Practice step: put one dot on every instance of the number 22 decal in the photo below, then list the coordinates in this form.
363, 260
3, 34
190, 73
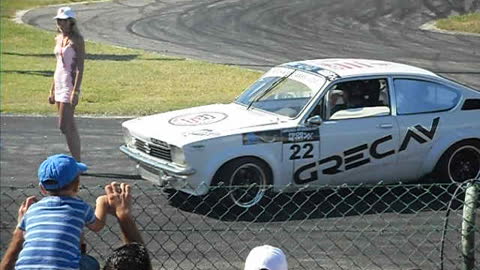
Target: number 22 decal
297, 148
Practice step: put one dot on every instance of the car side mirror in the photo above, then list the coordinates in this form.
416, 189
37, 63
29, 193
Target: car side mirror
315, 120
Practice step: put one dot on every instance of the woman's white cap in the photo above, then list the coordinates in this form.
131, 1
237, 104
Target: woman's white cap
65, 13
266, 257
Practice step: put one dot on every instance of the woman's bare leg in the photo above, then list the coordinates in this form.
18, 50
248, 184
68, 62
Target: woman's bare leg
66, 123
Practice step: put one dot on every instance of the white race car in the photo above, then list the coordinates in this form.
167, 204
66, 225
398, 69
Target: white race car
326, 121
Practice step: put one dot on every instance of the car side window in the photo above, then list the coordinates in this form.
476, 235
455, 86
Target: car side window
417, 96
356, 99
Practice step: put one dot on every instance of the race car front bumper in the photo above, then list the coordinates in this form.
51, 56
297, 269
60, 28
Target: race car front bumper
160, 172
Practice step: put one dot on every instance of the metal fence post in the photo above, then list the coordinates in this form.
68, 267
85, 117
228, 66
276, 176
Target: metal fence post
468, 227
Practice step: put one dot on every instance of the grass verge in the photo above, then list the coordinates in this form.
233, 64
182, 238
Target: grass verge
117, 81
464, 23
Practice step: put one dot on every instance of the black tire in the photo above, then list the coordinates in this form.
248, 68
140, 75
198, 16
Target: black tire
244, 182
461, 162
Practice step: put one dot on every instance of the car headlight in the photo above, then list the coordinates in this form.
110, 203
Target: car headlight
127, 137
178, 155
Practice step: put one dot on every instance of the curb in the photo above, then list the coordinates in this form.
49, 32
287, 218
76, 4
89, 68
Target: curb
430, 26
19, 14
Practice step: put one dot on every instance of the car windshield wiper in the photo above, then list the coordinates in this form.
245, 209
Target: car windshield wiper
268, 90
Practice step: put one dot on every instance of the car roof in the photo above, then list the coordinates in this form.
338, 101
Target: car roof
347, 67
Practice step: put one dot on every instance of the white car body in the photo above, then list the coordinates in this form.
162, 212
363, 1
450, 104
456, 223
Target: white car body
354, 145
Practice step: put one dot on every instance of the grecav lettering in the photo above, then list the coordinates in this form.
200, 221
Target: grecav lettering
349, 159
361, 155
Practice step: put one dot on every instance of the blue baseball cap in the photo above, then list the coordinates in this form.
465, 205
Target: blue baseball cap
58, 171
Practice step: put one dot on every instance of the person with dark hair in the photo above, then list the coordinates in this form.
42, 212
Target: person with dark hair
49, 231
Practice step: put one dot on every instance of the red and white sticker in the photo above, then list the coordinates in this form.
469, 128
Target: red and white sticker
197, 119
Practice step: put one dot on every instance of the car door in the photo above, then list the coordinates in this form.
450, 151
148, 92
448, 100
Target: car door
358, 137
421, 107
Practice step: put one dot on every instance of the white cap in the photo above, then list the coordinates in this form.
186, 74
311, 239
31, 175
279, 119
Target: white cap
65, 13
266, 257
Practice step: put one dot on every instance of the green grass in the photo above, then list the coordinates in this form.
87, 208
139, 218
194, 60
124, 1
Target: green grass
465, 23
117, 81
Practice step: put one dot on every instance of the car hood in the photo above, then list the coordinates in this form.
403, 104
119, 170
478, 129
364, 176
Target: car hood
199, 123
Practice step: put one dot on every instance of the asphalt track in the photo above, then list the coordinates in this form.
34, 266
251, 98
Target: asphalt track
262, 33
255, 34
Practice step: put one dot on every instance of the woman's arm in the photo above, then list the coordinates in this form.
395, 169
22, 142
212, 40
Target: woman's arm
51, 97
79, 46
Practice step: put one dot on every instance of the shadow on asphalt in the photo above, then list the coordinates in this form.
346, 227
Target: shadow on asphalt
326, 203
114, 176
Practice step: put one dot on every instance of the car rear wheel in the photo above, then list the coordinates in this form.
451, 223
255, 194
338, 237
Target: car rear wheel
461, 162
245, 180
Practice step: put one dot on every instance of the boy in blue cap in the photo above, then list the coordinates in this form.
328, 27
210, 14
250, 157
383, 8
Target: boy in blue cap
53, 226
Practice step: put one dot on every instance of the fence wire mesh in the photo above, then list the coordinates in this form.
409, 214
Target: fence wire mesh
345, 227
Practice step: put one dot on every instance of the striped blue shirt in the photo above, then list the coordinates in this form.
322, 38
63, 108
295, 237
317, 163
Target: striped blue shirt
53, 227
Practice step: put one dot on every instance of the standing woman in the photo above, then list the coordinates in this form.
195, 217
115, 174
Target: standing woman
65, 91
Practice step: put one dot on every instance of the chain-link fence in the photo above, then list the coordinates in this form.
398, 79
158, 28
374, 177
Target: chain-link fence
346, 227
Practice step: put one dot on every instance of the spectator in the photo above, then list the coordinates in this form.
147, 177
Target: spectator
50, 229
132, 255
266, 258
67, 80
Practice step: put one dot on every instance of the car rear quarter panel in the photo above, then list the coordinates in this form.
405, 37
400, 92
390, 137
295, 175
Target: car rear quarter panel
458, 126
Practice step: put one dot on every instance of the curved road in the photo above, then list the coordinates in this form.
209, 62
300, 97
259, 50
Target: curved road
263, 32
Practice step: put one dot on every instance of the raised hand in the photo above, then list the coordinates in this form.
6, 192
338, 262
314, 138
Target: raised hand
24, 207
119, 199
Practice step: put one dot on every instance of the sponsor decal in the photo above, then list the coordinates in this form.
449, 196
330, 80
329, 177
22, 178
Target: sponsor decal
286, 136
306, 67
296, 135
314, 69
201, 132
197, 119
343, 65
269, 136
359, 155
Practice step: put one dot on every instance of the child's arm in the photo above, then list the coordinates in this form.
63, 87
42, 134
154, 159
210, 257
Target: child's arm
100, 214
11, 255
16, 244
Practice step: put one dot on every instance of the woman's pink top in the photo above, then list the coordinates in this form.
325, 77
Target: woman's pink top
65, 71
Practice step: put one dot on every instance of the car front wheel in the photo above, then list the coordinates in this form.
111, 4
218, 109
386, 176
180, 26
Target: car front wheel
245, 181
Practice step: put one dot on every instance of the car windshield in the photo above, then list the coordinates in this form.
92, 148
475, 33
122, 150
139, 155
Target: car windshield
282, 91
